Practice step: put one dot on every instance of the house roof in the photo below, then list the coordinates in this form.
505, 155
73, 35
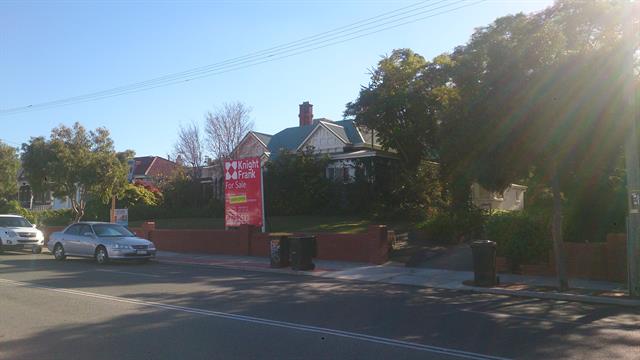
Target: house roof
292, 138
152, 166
265, 138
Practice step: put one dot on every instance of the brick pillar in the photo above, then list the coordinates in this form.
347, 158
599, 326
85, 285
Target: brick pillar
148, 227
246, 231
378, 244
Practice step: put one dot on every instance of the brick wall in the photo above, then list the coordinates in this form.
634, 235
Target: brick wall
371, 247
594, 261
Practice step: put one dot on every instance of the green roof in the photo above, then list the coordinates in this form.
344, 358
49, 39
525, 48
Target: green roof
291, 138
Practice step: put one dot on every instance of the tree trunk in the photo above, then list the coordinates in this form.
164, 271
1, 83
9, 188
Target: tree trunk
556, 234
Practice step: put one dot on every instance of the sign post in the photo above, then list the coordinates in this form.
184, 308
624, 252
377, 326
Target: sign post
243, 200
121, 216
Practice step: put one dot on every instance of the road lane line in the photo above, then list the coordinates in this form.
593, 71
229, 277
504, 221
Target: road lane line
502, 315
267, 322
127, 273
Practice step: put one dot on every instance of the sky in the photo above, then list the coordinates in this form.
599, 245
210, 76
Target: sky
51, 50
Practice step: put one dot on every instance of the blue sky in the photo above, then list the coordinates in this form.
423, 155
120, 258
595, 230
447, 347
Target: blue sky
57, 49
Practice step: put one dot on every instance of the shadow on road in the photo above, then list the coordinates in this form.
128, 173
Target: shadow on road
482, 323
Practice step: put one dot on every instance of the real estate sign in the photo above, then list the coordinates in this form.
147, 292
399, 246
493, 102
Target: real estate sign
122, 217
243, 203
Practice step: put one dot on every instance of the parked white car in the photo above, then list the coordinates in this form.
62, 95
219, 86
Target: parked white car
17, 233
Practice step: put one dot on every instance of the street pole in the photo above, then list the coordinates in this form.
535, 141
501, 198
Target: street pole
631, 156
112, 212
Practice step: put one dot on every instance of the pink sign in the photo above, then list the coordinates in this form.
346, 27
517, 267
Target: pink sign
243, 192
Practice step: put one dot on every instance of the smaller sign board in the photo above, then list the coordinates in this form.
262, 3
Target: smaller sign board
122, 217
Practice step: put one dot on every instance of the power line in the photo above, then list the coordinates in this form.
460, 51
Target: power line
336, 36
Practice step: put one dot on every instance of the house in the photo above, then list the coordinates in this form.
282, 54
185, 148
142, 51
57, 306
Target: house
511, 199
38, 201
149, 170
343, 142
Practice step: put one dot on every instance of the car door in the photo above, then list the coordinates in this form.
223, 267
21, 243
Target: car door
87, 242
70, 239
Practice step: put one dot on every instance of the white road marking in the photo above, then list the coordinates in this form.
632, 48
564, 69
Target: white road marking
266, 322
521, 317
128, 273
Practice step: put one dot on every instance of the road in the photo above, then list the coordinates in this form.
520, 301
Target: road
79, 310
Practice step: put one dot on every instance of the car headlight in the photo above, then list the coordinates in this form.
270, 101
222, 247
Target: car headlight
121, 247
152, 246
11, 233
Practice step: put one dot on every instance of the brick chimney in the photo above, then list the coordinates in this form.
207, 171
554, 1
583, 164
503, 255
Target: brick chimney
306, 114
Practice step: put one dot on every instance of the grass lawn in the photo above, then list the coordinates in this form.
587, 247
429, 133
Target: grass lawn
336, 224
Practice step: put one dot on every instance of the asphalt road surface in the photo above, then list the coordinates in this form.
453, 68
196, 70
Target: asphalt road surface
79, 310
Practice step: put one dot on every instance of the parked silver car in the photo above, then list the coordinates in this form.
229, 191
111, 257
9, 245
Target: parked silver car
101, 241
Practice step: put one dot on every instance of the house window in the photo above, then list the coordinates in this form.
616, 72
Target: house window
345, 174
518, 196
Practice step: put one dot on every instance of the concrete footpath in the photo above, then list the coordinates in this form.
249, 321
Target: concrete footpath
599, 292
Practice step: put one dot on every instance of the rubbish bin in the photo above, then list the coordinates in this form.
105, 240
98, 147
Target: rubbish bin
484, 262
279, 250
302, 249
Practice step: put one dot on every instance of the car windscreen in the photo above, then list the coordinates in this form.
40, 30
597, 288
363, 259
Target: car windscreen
111, 230
14, 222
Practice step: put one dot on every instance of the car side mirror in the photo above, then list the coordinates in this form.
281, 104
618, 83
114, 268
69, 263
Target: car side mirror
33, 226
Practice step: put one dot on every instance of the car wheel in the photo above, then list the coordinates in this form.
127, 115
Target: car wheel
102, 257
58, 252
37, 250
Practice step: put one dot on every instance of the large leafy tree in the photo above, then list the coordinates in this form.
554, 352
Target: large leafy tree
8, 170
76, 164
402, 104
541, 92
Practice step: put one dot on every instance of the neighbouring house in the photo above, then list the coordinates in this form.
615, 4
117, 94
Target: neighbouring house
38, 201
511, 199
344, 142
149, 170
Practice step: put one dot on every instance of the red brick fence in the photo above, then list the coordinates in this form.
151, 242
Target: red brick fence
372, 246
595, 261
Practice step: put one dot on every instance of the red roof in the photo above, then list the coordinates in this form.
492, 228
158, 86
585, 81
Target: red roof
153, 166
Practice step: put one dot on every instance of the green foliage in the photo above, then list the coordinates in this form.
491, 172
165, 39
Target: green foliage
520, 237
452, 228
138, 193
402, 104
75, 164
296, 184
13, 207
8, 171
61, 217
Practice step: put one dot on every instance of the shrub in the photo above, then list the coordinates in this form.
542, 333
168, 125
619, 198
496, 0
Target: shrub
520, 237
13, 207
452, 228
61, 217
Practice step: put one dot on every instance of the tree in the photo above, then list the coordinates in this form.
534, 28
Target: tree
75, 164
189, 148
296, 184
9, 165
402, 104
226, 127
540, 92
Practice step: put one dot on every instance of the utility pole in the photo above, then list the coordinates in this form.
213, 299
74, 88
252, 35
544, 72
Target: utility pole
631, 150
